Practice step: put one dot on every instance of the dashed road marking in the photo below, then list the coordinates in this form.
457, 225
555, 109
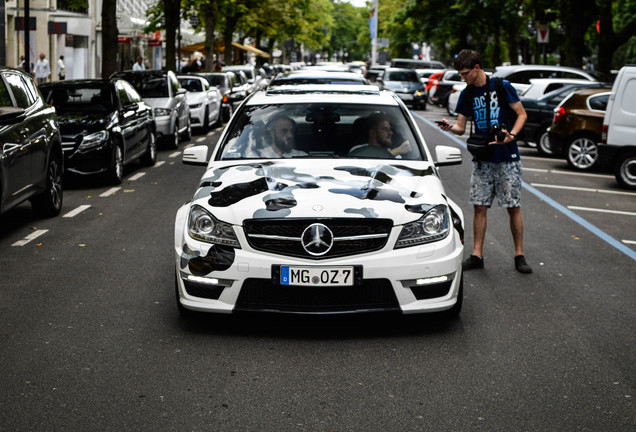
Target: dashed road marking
572, 173
77, 211
136, 176
175, 154
35, 234
158, 164
110, 192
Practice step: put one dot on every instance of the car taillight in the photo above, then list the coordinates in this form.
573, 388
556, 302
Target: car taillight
604, 134
559, 113
225, 99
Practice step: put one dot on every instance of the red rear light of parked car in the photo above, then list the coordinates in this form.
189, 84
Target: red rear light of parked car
225, 99
604, 134
559, 113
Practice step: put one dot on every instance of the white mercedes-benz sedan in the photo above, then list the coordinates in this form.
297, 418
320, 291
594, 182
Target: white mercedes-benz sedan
320, 200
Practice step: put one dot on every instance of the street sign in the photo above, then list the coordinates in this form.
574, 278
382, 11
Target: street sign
543, 35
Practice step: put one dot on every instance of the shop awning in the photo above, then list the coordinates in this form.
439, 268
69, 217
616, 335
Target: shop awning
251, 49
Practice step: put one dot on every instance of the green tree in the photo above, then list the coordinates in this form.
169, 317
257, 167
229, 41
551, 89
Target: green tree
617, 25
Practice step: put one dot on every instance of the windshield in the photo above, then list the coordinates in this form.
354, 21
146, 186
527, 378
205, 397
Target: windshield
402, 76
75, 99
191, 84
148, 85
216, 80
320, 130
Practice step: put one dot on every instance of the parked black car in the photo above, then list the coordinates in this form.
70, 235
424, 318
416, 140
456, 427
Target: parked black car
104, 125
541, 112
232, 90
31, 161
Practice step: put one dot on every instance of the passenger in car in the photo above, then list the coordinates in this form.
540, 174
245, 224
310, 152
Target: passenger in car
380, 142
279, 140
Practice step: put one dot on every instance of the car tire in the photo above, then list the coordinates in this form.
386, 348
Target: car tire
150, 157
49, 202
206, 120
543, 143
582, 152
187, 135
174, 137
625, 170
115, 173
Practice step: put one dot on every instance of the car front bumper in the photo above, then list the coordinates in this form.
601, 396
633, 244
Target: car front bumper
418, 279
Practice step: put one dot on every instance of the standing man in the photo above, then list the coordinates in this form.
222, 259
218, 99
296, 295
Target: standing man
61, 69
139, 64
42, 70
497, 173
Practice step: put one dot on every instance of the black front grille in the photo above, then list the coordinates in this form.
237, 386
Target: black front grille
265, 235
262, 295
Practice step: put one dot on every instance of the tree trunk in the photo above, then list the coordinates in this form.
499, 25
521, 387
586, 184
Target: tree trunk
172, 11
211, 13
109, 38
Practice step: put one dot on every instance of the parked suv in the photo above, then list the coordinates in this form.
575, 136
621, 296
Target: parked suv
577, 126
104, 125
161, 90
31, 159
618, 147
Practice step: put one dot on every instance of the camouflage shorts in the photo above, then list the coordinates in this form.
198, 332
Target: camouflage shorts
502, 180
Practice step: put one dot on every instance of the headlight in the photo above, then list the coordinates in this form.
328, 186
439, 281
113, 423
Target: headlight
204, 227
162, 112
94, 140
433, 226
196, 106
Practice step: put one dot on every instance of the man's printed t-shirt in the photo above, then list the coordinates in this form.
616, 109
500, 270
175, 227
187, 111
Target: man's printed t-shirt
502, 153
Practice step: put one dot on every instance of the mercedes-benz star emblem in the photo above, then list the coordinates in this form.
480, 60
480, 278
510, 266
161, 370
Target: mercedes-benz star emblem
317, 239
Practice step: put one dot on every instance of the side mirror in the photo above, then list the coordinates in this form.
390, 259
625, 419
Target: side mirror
130, 106
446, 155
197, 155
181, 91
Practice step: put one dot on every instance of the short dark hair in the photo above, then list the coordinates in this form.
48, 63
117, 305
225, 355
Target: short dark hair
467, 59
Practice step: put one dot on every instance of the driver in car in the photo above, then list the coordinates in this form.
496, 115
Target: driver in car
380, 142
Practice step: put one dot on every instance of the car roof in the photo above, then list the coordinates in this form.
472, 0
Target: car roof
318, 75
327, 93
506, 70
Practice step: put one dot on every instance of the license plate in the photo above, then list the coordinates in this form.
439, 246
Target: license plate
318, 276
407, 97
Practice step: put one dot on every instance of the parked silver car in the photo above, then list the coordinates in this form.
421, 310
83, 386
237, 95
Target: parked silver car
161, 90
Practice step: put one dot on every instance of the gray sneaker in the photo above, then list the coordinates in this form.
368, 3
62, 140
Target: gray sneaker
521, 265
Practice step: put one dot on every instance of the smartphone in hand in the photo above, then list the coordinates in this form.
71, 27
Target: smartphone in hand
442, 123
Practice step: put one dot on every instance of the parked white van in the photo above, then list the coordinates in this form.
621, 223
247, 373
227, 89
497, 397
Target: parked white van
617, 149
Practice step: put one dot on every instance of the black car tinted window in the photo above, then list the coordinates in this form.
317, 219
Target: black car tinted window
18, 88
191, 84
148, 85
402, 76
5, 97
79, 99
217, 80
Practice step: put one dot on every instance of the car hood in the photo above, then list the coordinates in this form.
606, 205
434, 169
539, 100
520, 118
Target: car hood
402, 86
161, 102
76, 123
310, 188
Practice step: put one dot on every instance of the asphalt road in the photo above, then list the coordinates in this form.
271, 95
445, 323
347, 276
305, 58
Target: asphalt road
91, 338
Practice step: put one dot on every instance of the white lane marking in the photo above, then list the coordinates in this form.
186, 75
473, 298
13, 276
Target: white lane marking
110, 192
77, 211
35, 234
159, 163
175, 154
539, 158
201, 139
137, 176
572, 173
189, 145
580, 189
629, 242
618, 212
